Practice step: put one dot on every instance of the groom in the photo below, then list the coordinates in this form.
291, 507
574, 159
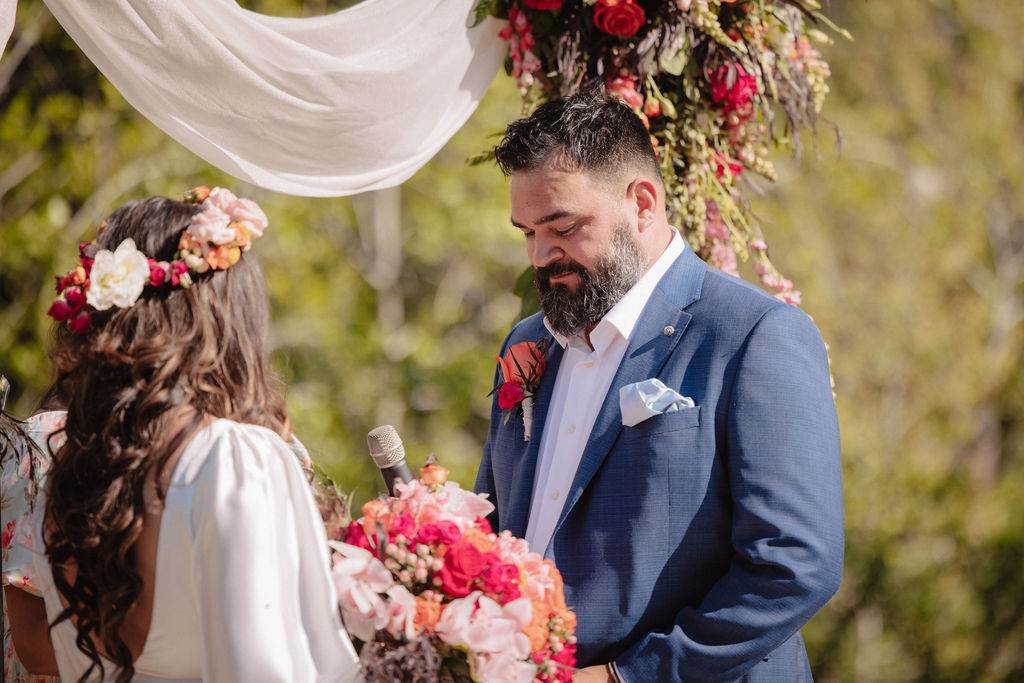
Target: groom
694, 543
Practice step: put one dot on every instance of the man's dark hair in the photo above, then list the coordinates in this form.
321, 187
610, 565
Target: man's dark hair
589, 131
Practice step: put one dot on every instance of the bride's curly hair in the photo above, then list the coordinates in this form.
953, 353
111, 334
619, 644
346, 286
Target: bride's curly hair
125, 380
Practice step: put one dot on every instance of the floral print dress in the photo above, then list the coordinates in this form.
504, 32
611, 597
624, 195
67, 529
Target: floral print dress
24, 468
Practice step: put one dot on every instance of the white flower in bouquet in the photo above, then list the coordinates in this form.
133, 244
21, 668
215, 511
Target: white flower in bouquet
360, 579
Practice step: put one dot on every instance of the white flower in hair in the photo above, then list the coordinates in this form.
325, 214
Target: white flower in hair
117, 277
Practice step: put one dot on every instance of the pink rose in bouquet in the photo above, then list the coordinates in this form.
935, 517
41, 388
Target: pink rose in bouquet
423, 582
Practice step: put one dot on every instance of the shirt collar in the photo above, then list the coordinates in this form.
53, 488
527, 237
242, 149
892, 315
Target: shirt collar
623, 316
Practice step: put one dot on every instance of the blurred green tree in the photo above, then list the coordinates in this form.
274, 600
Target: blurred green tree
911, 250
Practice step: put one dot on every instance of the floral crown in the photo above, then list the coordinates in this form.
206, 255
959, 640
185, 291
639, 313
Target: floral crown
214, 240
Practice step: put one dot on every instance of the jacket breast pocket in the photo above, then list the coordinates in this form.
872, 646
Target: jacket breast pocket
685, 418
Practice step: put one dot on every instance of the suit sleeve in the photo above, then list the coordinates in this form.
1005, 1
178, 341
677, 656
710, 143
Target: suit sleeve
781, 452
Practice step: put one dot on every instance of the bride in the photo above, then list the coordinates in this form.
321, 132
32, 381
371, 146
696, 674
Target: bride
182, 540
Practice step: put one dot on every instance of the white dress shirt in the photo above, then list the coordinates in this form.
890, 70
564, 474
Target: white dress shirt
584, 376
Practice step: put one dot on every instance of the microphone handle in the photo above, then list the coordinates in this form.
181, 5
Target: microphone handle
397, 472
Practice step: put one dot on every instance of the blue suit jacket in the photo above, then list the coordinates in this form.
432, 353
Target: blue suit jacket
695, 544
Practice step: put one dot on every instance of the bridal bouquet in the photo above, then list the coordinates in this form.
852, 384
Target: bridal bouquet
709, 78
435, 595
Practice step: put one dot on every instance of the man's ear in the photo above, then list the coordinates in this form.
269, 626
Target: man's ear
644, 193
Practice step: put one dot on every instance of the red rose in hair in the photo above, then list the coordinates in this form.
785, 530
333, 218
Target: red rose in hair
543, 4
75, 297
80, 323
618, 17
60, 310
157, 272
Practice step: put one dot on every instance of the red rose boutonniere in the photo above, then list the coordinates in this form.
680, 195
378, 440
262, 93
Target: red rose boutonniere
522, 369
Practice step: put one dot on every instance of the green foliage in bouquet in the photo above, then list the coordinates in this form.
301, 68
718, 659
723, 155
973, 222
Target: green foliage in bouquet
719, 83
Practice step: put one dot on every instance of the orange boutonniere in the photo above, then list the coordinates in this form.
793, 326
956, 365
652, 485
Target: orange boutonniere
521, 369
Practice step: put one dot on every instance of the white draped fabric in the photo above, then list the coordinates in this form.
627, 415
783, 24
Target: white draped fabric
7, 8
320, 106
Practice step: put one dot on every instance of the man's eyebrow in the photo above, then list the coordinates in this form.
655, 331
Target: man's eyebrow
550, 218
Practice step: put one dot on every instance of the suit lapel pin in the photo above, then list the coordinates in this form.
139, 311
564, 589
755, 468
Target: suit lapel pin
669, 331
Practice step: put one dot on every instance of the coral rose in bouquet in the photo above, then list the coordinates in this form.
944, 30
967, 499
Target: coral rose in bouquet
433, 594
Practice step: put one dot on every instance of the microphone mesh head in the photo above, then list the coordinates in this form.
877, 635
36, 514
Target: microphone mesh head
385, 447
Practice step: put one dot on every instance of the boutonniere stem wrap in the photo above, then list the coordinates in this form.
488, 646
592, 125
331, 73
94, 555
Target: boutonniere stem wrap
521, 369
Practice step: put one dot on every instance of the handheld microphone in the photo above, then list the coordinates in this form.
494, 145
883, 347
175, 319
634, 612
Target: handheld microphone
388, 454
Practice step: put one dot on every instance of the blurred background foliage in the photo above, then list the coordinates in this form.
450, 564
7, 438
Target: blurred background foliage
389, 307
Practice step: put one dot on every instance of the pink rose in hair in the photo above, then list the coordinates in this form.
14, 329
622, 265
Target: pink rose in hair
212, 226
157, 272
221, 199
249, 214
178, 270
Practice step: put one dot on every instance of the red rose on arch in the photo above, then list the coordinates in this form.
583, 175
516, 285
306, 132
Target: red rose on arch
733, 87
543, 4
618, 17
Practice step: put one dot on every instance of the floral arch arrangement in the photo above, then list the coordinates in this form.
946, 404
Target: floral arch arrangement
719, 83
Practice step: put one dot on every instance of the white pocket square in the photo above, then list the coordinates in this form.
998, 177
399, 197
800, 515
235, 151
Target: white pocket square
642, 400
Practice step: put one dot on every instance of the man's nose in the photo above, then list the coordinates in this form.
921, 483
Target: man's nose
544, 251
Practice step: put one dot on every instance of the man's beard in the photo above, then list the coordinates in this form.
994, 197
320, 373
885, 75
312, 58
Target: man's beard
614, 275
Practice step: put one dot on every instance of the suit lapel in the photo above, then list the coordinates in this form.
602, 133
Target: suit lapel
523, 473
649, 349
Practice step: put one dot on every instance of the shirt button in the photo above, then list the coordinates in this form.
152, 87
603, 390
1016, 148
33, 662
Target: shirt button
589, 364
571, 429
554, 495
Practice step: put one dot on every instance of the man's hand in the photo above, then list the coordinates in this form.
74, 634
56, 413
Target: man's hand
592, 674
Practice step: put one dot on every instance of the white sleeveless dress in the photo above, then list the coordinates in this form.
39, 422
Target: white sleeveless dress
243, 591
